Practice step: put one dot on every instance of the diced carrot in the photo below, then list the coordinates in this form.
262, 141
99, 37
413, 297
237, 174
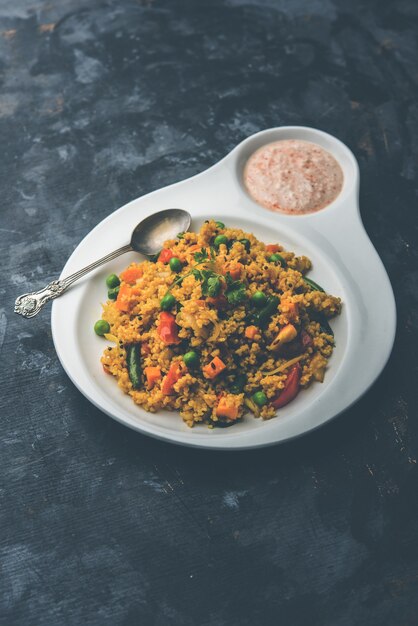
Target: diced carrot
176, 371
226, 408
153, 374
236, 272
273, 247
168, 329
122, 302
290, 309
215, 367
132, 273
165, 255
251, 331
234, 269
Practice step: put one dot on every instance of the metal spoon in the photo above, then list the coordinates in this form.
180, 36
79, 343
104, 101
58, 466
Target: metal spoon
147, 238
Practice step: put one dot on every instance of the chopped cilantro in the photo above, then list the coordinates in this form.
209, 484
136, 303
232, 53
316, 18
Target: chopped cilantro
214, 286
235, 292
212, 281
197, 274
201, 256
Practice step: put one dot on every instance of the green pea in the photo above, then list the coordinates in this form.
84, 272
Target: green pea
167, 302
259, 299
260, 398
191, 359
219, 240
277, 258
262, 317
220, 224
112, 281
112, 294
175, 264
246, 243
101, 327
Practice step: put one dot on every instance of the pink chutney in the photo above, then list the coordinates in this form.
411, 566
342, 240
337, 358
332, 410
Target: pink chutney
293, 176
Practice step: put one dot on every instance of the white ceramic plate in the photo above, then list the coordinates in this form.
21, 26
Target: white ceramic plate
344, 262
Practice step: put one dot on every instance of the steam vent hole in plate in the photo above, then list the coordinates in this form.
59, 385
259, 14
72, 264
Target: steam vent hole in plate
293, 176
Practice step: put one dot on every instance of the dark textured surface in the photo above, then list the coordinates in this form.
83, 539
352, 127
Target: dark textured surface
102, 102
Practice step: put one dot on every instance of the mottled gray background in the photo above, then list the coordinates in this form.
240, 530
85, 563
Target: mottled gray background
101, 102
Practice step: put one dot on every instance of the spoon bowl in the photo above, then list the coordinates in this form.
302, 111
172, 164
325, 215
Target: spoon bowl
147, 238
149, 235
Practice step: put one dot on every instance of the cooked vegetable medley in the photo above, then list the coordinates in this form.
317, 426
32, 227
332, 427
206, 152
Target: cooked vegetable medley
217, 326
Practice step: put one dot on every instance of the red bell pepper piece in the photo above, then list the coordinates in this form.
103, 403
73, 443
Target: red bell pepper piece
273, 247
168, 329
176, 371
291, 387
165, 255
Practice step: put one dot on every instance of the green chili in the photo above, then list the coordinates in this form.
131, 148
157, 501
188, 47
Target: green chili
313, 285
133, 359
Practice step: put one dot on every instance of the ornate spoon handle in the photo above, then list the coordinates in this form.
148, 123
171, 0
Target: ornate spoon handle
29, 304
